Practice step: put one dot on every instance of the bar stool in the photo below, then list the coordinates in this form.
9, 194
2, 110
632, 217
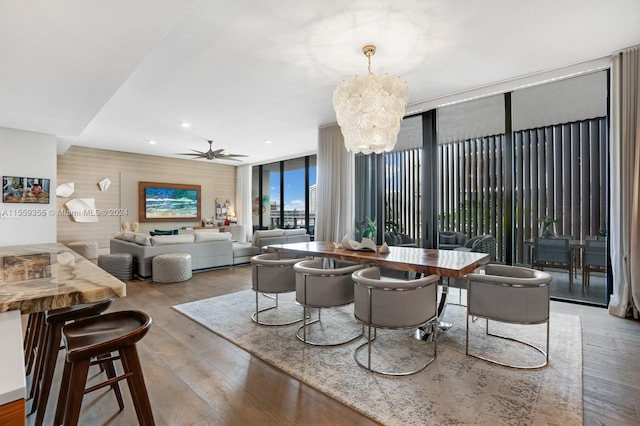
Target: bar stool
93, 337
54, 320
35, 324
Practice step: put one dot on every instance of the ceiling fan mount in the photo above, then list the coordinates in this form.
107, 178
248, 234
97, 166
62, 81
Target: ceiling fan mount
214, 155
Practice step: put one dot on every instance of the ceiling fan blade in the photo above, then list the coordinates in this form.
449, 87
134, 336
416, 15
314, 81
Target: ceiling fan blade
229, 158
217, 152
195, 155
232, 155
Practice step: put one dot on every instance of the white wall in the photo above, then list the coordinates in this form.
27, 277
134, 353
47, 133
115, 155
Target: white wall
28, 154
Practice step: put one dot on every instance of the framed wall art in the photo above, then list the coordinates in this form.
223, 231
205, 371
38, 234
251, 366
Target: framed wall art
25, 190
166, 202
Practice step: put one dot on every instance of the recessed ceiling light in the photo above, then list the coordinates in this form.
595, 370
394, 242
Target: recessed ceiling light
152, 142
267, 141
185, 125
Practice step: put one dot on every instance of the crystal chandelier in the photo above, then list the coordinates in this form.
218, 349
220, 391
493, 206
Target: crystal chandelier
369, 110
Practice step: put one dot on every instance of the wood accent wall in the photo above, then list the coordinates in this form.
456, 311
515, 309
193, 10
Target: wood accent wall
87, 166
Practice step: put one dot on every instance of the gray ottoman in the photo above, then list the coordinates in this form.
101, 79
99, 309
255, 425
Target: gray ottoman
171, 267
120, 265
86, 249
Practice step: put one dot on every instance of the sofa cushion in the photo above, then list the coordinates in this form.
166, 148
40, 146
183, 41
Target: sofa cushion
160, 240
244, 249
297, 231
212, 236
268, 233
448, 239
142, 239
238, 233
129, 236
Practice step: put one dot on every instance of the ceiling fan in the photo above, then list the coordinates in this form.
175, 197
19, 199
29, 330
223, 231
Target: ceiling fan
214, 155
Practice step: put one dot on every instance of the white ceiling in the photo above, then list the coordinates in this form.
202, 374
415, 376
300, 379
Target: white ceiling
116, 74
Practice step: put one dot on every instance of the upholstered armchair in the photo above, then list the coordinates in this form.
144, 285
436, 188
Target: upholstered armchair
273, 275
393, 304
318, 286
509, 294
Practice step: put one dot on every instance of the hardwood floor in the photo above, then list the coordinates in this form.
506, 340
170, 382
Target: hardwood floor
195, 377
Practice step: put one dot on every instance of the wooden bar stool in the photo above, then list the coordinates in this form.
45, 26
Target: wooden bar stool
35, 324
93, 337
54, 320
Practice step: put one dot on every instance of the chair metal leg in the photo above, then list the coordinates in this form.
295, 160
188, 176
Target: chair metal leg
255, 317
305, 325
368, 366
544, 352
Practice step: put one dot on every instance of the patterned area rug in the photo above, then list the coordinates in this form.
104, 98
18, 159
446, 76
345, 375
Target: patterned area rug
454, 390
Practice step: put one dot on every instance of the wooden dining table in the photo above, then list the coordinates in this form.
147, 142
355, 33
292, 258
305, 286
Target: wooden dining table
446, 263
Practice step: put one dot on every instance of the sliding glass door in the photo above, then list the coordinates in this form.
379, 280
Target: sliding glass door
510, 167
284, 194
561, 154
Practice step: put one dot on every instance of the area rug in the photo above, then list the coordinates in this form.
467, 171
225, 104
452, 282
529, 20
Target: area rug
456, 389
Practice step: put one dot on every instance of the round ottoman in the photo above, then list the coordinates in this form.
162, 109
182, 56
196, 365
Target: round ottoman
86, 249
171, 267
120, 265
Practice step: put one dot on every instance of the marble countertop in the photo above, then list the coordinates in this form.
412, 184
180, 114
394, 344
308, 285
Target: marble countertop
40, 277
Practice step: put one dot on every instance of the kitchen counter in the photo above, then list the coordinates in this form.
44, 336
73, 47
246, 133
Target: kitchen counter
39, 277
35, 278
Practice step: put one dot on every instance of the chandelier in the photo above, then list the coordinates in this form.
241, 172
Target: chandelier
369, 110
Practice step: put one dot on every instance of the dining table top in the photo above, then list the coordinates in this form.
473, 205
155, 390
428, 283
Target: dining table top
39, 277
447, 263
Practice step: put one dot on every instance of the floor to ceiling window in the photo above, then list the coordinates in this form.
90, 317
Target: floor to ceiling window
283, 194
560, 142
511, 166
471, 190
388, 186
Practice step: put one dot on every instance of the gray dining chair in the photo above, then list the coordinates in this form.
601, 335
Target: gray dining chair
272, 275
594, 260
393, 304
320, 286
554, 253
509, 294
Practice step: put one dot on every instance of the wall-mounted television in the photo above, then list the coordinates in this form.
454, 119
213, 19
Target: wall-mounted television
168, 202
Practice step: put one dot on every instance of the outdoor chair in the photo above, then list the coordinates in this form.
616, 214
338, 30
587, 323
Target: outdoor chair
554, 253
484, 243
595, 259
509, 294
448, 240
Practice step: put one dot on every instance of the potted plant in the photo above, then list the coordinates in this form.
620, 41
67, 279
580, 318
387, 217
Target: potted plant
370, 229
548, 227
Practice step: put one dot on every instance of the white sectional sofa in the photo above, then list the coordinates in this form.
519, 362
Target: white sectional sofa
208, 248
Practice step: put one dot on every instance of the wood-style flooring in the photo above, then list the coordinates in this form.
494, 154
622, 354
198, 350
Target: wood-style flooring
195, 377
